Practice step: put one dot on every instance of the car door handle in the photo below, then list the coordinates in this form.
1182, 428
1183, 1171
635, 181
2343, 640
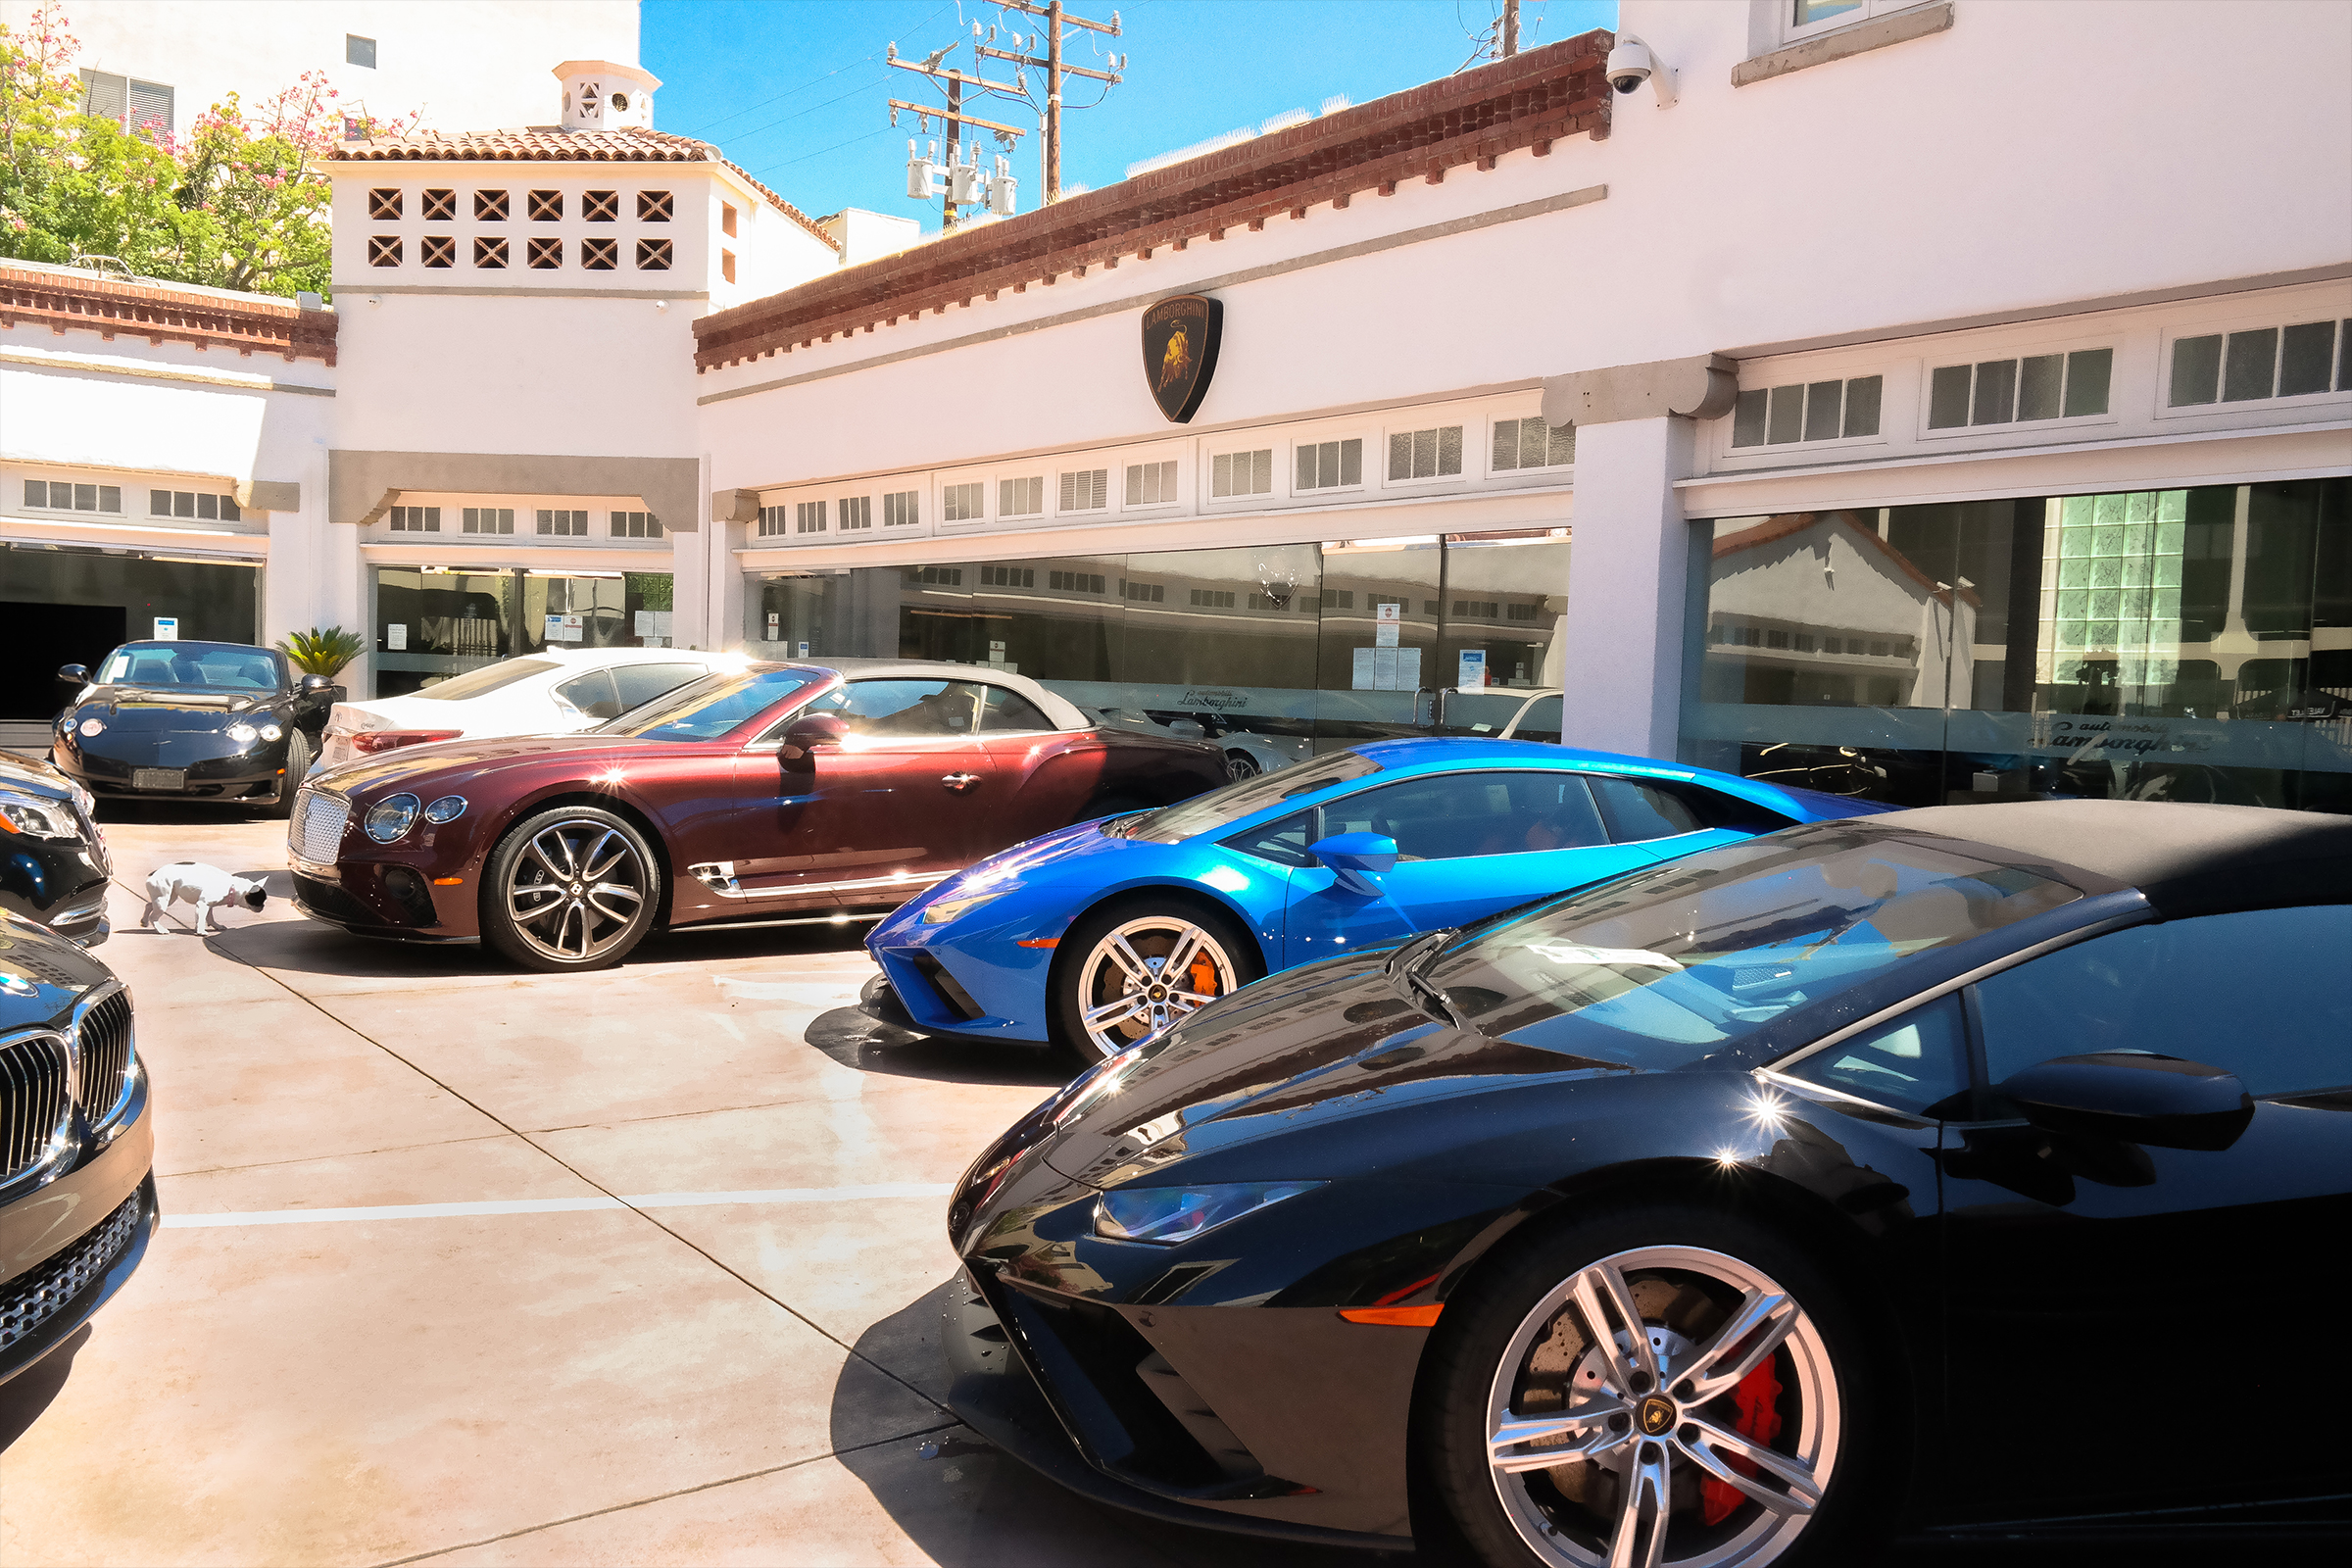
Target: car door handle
959, 782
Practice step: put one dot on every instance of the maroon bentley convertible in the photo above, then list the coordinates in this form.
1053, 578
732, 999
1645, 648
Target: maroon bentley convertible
782, 793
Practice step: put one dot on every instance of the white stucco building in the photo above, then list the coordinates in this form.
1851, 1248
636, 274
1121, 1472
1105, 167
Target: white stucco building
1844, 419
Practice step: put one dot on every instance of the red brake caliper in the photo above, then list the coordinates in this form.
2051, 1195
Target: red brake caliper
1758, 1397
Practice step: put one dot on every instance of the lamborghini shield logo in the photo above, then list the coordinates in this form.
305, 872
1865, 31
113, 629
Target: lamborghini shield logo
1180, 352
1656, 1415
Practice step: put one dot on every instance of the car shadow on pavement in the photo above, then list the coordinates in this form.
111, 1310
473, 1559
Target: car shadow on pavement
965, 1504
23, 1398
113, 809
854, 1039
310, 946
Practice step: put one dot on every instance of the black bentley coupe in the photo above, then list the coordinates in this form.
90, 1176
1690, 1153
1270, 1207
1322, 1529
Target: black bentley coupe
1962, 1173
76, 1145
223, 722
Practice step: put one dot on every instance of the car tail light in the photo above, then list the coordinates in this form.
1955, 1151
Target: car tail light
386, 740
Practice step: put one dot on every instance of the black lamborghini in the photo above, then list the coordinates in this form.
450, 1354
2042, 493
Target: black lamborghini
1966, 1173
223, 722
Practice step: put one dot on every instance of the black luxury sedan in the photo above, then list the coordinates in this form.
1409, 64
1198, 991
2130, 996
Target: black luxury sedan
193, 721
52, 864
76, 1146
1910, 1173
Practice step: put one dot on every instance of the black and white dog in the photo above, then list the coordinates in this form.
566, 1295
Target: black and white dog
207, 887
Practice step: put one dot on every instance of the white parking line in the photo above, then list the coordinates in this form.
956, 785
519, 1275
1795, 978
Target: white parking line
559, 1205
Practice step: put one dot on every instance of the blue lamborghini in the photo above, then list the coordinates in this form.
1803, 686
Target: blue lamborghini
1103, 935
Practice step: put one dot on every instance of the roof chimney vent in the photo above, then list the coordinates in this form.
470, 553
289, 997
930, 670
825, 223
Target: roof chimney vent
599, 95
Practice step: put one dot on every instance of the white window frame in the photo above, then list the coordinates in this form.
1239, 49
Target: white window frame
1473, 463
946, 481
1485, 449
1794, 31
1373, 462
2246, 321
1255, 498
1929, 363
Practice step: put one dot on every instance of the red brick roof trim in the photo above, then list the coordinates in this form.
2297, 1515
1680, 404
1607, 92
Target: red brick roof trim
162, 313
1528, 101
534, 144
1774, 529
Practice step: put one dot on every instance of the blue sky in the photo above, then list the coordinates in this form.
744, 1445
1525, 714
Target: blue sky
794, 89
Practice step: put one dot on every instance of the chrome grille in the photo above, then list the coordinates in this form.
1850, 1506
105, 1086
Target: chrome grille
40, 1295
36, 1103
102, 1031
315, 832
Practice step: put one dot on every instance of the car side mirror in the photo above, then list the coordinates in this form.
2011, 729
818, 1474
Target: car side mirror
312, 685
1356, 859
77, 674
806, 734
2140, 1099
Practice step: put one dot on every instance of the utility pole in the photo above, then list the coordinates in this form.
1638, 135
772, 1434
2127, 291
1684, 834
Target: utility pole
955, 119
1510, 27
1056, 71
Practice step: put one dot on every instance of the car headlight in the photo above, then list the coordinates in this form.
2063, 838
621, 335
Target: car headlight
93, 726
243, 733
448, 809
273, 732
37, 818
940, 911
1166, 1215
390, 817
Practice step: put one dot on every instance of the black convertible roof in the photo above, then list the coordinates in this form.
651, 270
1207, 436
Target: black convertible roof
2187, 860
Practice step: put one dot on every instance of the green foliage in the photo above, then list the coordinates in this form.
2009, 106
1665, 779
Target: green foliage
238, 203
320, 652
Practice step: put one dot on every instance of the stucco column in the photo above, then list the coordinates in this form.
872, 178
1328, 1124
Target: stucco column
1629, 564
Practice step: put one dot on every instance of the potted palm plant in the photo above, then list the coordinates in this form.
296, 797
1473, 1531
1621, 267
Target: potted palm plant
323, 652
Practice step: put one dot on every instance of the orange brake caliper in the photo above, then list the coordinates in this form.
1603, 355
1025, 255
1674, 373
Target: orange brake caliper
1203, 975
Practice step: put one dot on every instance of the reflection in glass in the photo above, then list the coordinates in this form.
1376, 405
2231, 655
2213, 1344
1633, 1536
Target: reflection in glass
2188, 644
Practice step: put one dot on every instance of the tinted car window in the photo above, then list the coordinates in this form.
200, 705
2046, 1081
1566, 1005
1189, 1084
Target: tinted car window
489, 678
2262, 993
709, 708
642, 683
592, 694
1003, 709
1639, 811
1912, 1063
1659, 968
1283, 841
1541, 721
908, 706
1205, 814
1452, 817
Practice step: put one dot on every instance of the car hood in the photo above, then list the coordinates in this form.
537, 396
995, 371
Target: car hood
163, 708
29, 777
471, 758
1320, 1042
41, 973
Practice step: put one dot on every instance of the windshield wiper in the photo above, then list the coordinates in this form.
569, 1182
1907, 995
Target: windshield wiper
1404, 972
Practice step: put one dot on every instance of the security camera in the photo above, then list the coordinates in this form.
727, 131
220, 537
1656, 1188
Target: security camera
1630, 63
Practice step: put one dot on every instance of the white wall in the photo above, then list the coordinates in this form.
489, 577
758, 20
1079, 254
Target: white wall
468, 65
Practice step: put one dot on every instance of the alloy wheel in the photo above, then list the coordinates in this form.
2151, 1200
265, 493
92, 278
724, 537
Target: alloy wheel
1144, 976
1240, 765
1663, 1405
576, 889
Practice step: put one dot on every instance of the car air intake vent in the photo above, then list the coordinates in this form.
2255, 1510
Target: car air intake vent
103, 1033
36, 1108
34, 1298
317, 830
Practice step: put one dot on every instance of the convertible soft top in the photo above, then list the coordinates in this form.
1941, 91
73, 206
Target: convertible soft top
2187, 860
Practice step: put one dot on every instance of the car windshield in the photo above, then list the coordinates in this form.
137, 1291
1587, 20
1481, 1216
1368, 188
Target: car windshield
708, 708
1205, 814
1660, 968
202, 666
487, 679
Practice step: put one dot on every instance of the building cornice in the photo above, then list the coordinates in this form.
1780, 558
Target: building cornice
1526, 102
70, 302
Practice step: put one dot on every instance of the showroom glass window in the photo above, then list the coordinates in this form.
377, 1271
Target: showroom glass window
75, 605
2186, 645
433, 623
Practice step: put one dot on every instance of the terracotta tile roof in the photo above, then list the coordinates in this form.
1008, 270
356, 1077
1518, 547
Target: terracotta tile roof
1528, 101
551, 144
69, 299
1774, 529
